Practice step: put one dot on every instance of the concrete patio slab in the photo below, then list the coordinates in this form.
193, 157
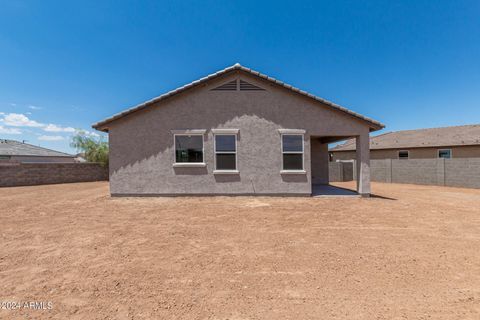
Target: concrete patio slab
326, 190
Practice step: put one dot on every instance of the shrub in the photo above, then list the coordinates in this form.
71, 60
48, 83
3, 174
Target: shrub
94, 148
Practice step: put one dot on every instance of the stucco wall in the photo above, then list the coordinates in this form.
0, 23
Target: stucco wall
414, 153
319, 157
142, 152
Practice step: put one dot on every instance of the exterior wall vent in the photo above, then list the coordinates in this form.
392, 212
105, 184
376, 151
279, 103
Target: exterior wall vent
245, 86
235, 85
229, 86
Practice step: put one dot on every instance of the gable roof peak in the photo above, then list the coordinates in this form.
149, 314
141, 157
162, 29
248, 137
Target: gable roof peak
101, 125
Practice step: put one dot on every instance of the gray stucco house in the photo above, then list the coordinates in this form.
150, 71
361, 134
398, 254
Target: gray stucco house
233, 132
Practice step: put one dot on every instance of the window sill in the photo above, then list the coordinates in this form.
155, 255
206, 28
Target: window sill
189, 164
293, 172
226, 172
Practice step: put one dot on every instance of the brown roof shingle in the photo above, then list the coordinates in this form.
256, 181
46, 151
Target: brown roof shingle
432, 137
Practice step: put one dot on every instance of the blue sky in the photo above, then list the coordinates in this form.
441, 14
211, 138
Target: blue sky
66, 64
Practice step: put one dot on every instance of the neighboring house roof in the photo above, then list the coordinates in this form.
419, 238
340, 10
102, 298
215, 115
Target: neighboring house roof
17, 148
374, 125
421, 138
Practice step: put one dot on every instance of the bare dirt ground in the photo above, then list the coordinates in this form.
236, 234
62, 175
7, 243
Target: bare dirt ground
413, 252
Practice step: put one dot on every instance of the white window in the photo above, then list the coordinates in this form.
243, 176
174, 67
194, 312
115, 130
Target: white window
403, 154
445, 153
292, 151
189, 150
225, 146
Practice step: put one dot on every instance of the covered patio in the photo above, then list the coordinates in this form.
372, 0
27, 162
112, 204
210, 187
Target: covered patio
320, 166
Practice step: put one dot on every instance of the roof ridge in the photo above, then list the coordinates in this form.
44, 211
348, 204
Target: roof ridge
433, 128
237, 66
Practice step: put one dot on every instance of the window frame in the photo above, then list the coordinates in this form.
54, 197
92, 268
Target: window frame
188, 133
408, 154
447, 149
292, 132
225, 132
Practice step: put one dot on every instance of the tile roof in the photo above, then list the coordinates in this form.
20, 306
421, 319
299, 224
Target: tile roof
375, 125
17, 148
432, 137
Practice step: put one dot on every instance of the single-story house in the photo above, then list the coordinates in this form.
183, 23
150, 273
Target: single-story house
445, 142
21, 152
234, 132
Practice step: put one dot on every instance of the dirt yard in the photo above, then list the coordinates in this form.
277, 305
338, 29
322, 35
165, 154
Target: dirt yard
411, 252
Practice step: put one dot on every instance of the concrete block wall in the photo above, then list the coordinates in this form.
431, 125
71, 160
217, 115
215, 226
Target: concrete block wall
335, 173
348, 172
462, 172
27, 174
342, 171
380, 170
415, 171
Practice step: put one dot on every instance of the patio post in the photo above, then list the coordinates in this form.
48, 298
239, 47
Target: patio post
363, 164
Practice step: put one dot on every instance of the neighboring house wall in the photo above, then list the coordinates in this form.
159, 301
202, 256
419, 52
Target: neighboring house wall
466, 152
414, 153
142, 151
27, 174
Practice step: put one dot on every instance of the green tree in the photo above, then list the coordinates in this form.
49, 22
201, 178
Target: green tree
94, 148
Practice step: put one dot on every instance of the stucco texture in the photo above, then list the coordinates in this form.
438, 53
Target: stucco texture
142, 144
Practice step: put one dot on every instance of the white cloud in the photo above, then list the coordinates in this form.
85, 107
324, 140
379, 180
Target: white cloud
93, 134
4, 130
54, 128
51, 138
34, 107
20, 120
13, 104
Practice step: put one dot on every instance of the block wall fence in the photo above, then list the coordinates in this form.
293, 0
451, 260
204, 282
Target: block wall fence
28, 174
464, 172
